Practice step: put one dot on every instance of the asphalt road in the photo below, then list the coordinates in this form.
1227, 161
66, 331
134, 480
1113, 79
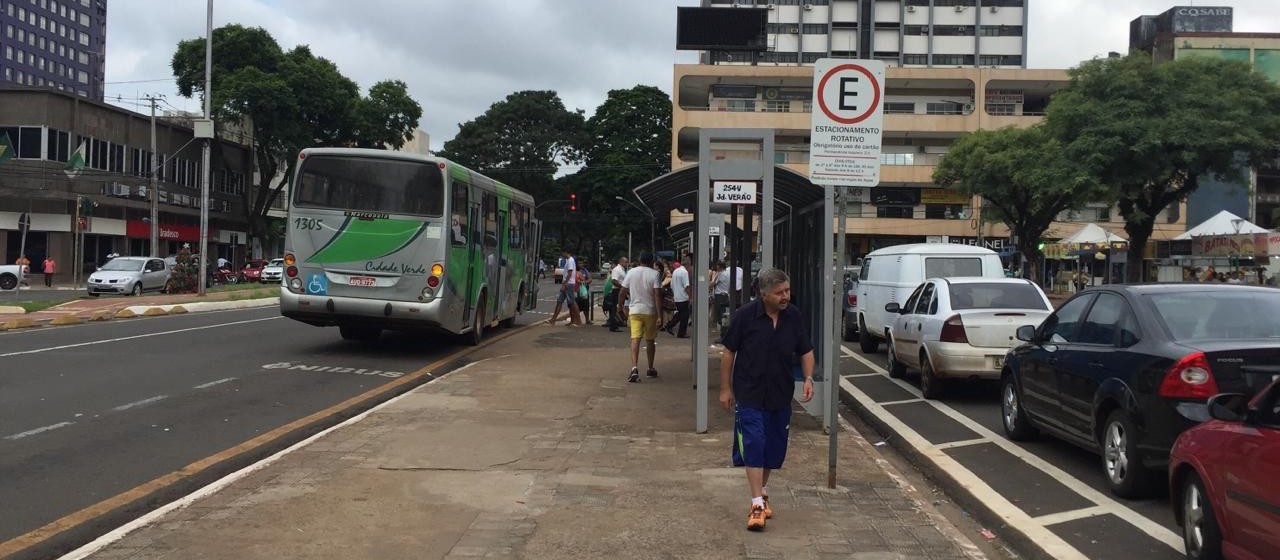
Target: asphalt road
91, 411
1056, 490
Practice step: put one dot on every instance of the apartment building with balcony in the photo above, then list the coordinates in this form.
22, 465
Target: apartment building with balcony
926, 110
59, 44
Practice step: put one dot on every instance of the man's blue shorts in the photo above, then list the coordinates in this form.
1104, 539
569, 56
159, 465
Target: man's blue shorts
760, 437
566, 296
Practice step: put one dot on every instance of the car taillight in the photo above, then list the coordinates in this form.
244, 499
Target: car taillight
1190, 378
953, 331
851, 300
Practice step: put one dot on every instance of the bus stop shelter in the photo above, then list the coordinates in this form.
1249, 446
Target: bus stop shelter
778, 229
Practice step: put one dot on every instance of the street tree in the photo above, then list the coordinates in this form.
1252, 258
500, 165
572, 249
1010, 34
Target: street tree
630, 144
1154, 131
289, 101
523, 141
1024, 179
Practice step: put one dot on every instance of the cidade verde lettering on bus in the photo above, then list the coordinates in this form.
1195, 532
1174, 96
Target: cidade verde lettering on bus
368, 240
397, 268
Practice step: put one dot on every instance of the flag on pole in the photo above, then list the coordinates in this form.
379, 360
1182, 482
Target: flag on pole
6, 147
75, 163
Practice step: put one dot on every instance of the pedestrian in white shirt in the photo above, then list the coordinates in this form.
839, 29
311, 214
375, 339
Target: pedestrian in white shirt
681, 292
641, 290
616, 276
568, 292
720, 293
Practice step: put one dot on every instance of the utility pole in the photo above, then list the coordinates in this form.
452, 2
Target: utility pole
155, 185
204, 172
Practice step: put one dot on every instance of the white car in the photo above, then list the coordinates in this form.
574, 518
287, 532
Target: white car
273, 272
958, 328
129, 275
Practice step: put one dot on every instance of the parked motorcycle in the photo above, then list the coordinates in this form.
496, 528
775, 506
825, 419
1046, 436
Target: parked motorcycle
226, 276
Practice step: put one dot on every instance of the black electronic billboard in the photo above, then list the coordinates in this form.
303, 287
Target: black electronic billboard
721, 29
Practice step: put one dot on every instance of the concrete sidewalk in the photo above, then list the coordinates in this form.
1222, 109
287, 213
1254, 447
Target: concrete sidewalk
537, 449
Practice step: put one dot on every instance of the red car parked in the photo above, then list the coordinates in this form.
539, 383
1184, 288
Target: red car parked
252, 271
1224, 479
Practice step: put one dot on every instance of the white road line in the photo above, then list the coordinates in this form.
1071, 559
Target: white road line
38, 430
907, 401
872, 374
963, 443
1011, 514
66, 346
1146, 525
212, 383
1065, 516
139, 403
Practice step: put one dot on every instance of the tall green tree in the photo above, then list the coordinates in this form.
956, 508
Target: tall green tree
1152, 131
290, 100
523, 141
630, 145
1024, 178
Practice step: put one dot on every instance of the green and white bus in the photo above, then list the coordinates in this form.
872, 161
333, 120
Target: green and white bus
387, 240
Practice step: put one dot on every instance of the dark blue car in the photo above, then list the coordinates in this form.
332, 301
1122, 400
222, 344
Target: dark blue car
1123, 370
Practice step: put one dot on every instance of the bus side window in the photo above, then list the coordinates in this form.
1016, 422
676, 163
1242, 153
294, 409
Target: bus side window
517, 219
458, 221
490, 221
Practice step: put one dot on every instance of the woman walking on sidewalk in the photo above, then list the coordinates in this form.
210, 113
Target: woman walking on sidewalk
50, 266
763, 340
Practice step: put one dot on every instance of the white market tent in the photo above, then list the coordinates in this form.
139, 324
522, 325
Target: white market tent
1093, 233
1222, 223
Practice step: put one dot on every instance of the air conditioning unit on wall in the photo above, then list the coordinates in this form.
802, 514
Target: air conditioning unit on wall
792, 29
808, 6
995, 9
911, 9
959, 9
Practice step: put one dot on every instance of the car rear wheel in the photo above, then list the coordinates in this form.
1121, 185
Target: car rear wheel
896, 368
1201, 535
1016, 425
848, 332
866, 342
930, 384
8, 281
137, 289
1126, 476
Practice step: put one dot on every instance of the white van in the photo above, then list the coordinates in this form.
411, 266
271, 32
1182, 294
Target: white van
890, 274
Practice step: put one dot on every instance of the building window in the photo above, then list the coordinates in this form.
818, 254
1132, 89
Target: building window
945, 108
953, 59
920, 59
1000, 31
907, 212
954, 30
944, 212
899, 107
777, 106
26, 140
897, 159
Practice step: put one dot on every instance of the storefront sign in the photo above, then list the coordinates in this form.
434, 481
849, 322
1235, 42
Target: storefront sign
1243, 245
1004, 96
142, 230
993, 243
895, 196
943, 196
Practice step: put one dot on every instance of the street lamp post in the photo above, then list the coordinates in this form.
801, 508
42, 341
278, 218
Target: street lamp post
653, 246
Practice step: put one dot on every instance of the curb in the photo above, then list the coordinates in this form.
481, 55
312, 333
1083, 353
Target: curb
198, 306
962, 495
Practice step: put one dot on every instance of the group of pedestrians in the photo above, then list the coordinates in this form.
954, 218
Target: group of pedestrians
49, 267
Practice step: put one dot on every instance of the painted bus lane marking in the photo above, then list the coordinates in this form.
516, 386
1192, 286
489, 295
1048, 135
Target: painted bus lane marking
290, 366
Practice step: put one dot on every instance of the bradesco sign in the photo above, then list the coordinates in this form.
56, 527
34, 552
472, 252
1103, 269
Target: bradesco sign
848, 101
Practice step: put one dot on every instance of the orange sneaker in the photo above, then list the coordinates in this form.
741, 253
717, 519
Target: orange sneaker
755, 519
768, 511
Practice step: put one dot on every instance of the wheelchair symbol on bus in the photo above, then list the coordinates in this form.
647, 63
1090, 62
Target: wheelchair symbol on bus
317, 284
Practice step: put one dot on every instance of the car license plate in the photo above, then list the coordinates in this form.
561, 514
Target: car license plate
998, 361
366, 281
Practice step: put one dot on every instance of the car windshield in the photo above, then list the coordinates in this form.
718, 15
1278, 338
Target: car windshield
276, 262
996, 295
1223, 314
123, 265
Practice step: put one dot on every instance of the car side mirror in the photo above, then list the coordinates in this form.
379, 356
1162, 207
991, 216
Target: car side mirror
1229, 407
1025, 333
892, 308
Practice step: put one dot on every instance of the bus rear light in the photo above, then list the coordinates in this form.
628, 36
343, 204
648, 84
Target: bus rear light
433, 282
295, 284
437, 269
291, 271
289, 259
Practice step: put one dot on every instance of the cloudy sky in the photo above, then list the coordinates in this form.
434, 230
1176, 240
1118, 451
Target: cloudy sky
460, 56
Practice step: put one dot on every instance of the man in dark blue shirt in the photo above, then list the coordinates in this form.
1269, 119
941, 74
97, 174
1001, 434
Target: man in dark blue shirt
761, 345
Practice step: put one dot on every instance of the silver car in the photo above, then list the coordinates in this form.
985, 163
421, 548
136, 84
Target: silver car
129, 275
273, 272
961, 328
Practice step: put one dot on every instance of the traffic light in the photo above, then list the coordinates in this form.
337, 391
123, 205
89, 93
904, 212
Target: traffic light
573, 202
86, 206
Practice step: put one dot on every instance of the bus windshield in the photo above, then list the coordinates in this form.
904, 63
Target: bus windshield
370, 185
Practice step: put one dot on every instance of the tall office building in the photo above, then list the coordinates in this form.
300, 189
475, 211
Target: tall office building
909, 33
55, 43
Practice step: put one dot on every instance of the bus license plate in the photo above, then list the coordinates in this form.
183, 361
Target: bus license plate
366, 281
998, 361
